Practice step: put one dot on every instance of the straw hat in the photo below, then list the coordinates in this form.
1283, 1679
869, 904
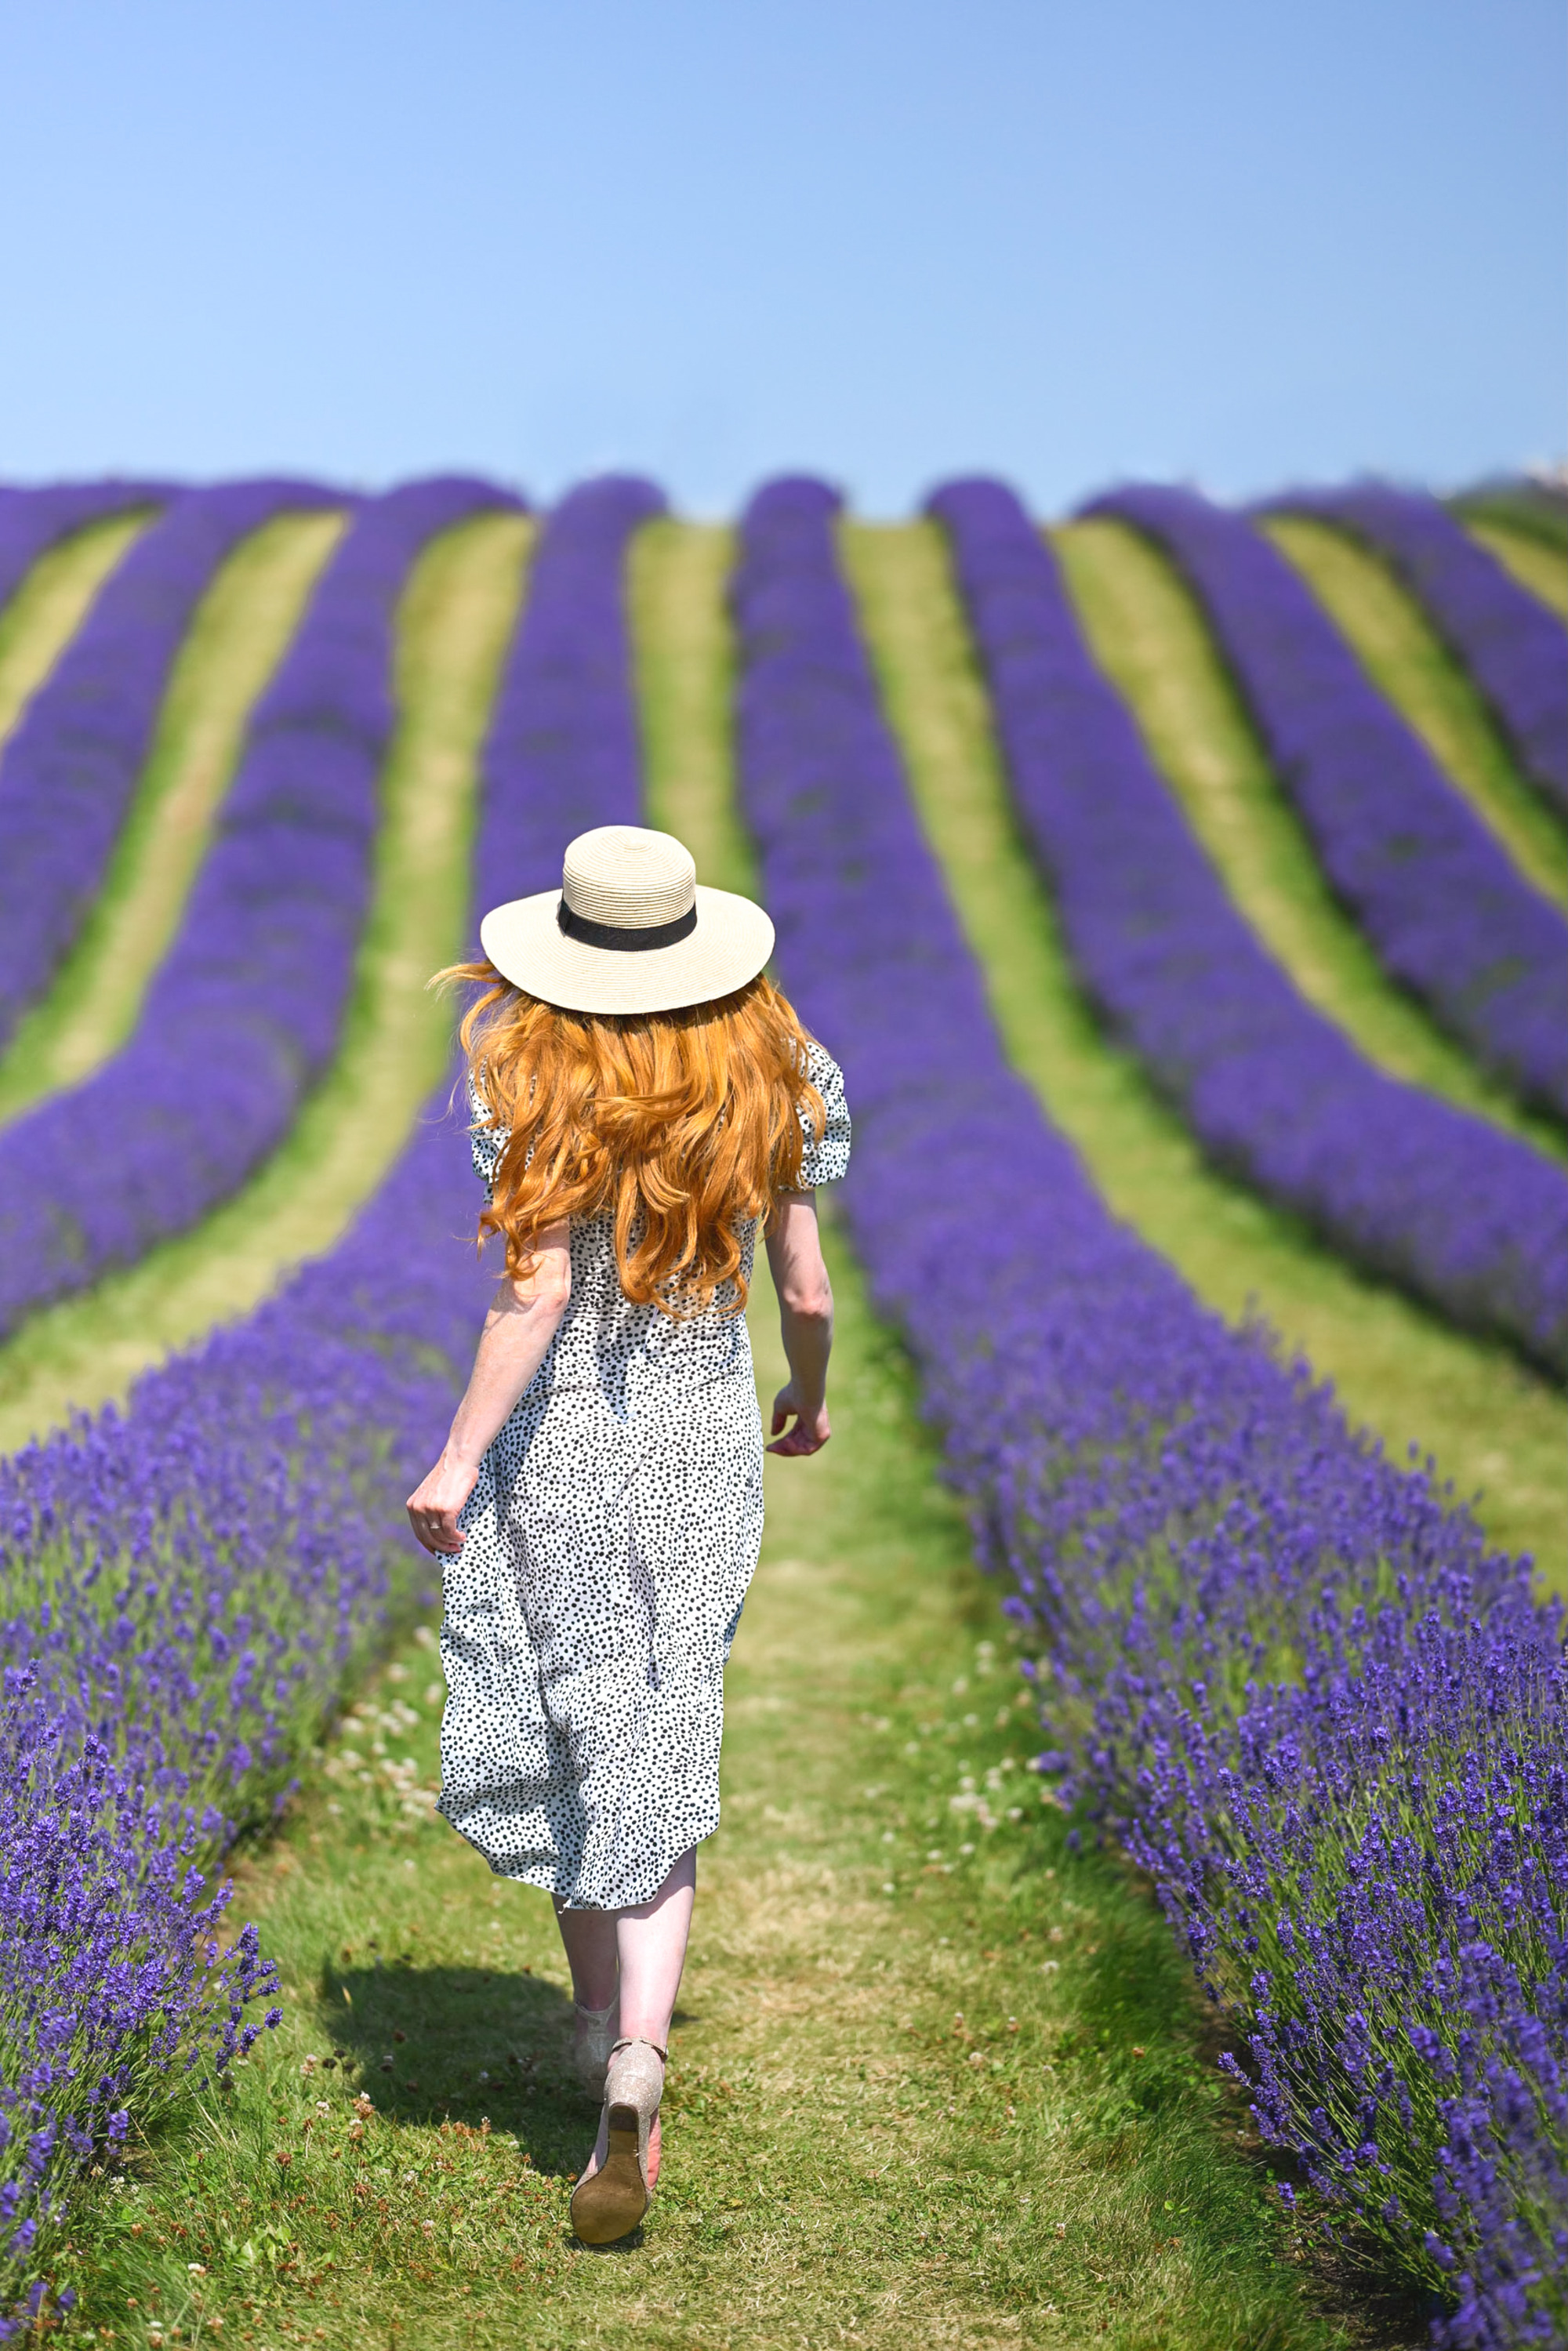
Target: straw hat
630, 930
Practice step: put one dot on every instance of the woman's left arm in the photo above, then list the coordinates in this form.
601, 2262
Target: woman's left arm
523, 1318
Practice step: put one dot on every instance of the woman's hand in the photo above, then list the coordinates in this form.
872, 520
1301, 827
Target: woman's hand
811, 1431
432, 1507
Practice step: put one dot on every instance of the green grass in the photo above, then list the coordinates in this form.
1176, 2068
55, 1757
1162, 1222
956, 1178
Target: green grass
936, 2079
931, 2083
1407, 662
51, 606
1540, 567
1491, 1425
1148, 635
454, 622
236, 639
678, 577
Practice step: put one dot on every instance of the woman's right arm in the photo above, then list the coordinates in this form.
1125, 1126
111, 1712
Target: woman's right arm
806, 1319
523, 1319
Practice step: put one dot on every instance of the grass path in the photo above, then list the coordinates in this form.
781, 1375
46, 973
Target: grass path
936, 2079
1490, 1423
931, 2083
1542, 570
237, 636
1148, 635
51, 604
453, 625
1408, 663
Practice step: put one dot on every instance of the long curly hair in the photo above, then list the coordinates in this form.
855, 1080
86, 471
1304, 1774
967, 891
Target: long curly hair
682, 1125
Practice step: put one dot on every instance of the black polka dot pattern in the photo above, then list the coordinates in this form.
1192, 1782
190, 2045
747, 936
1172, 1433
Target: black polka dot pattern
610, 1542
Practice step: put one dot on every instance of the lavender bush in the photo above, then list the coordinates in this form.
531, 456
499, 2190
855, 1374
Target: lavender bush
562, 753
1439, 900
186, 1586
69, 769
1458, 1211
1289, 1676
1515, 649
32, 521
246, 1010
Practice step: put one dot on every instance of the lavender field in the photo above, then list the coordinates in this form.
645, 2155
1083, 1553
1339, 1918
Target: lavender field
1237, 1327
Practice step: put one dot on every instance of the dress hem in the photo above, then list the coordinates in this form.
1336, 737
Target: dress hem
547, 1878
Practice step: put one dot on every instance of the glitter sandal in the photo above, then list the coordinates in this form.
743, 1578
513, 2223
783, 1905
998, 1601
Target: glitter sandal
611, 2202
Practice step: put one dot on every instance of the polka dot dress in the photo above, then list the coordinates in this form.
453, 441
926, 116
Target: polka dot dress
610, 1542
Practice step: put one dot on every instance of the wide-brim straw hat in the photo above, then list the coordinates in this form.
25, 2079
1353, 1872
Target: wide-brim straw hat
630, 929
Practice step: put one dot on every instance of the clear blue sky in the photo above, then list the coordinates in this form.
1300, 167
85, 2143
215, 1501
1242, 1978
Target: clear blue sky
1233, 240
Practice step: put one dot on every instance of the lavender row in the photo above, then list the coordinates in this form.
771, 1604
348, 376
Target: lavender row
68, 771
1444, 908
32, 521
246, 1011
563, 752
1458, 1212
188, 1584
1515, 650
1291, 1679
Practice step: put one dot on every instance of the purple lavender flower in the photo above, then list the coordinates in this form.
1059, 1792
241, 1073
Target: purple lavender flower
1443, 906
186, 1586
32, 521
1468, 1217
68, 770
1290, 1677
244, 1012
1516, 650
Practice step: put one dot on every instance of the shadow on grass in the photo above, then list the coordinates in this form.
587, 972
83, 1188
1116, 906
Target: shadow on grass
476, 2049
474, 2046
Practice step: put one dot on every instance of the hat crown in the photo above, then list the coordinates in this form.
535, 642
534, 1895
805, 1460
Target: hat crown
628, 877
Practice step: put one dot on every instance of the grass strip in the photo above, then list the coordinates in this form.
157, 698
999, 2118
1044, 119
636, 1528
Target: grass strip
679, 574
932, 2081
1407, 661
1492, 1427
51, 604
238, 635
1148, 635
1540, 568
454, 622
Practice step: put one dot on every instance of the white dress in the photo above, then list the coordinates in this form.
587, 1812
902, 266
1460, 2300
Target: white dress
610, 1542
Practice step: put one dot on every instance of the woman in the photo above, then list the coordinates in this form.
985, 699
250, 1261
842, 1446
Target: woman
643, 1102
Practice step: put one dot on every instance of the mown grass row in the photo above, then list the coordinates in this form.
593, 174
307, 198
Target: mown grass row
1407, 662
1148, 635
1538, 563
1491, 1425
455, 620
238, 635
54, 600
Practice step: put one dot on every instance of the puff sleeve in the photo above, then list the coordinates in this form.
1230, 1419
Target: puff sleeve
487, 1141
826, 1159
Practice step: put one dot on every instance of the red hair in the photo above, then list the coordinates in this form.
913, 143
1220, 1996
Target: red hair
681, 1126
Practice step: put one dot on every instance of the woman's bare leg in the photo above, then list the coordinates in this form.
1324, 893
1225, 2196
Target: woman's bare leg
589, 1939
651, 1941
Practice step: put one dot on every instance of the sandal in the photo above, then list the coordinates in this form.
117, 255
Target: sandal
611, 2202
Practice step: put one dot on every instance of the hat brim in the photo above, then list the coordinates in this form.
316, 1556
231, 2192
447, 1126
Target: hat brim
732, 940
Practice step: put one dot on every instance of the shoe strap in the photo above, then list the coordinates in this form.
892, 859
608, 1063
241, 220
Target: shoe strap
598, 2015
661, 2055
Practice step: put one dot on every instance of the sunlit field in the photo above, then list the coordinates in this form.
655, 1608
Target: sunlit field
1140, 1910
